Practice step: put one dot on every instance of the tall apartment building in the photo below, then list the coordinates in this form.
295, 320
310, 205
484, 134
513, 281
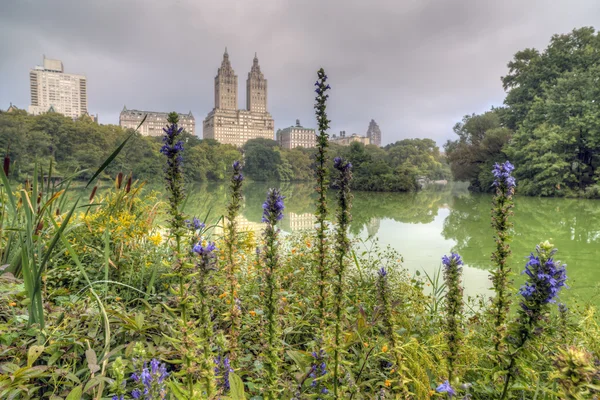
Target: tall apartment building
296, 136
374, 133
155, 121
226, 123
52, 88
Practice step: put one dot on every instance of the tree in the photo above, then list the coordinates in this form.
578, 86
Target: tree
480, 143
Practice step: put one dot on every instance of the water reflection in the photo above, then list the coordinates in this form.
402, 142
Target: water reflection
423, 226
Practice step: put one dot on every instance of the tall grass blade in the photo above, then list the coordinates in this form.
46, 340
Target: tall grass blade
115, 153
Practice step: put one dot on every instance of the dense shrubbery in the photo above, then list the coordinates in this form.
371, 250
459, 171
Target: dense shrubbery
549, 126
103, 304
81, 145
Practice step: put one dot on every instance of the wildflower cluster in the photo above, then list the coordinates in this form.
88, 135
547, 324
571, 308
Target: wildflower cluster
452, 267
195, 224
322, 184
317, 371
446, 388
502, 204
545, 279
222, 371
231, 244
273, 207
272, 213
150, 381
503, 179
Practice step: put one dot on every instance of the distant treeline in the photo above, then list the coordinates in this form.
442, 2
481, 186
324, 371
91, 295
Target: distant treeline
549, 126
81, 146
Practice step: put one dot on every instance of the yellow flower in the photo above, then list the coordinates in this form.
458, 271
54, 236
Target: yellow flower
384, 348
12, 304
118, 298
366, 344
253, 313
156, 239
284, 299
388, 383
222, 295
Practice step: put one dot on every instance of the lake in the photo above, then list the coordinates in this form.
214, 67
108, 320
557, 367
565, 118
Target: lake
424, 226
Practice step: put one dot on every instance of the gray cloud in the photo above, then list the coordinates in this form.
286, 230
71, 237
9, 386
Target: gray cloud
415, 66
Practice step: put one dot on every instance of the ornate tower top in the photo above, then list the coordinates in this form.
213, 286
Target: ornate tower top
226, 68
374, 133
256, 89
226, 85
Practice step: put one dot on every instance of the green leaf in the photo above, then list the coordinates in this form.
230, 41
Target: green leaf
112, 156
237, 387
33, 354
75, 394
92, 360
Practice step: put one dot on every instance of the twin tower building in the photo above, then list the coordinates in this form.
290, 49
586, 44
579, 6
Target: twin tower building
228, 124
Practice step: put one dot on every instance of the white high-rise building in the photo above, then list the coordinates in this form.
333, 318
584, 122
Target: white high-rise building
53, 89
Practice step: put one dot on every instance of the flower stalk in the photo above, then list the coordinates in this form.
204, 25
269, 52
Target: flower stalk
272, 213
344, 200
505, 184
205, 264
545, 279
231, 244
454, 309
321, 212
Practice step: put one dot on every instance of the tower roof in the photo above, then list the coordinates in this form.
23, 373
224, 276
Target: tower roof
255, 71
226, 68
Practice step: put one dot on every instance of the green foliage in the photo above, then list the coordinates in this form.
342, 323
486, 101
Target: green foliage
549, 127
82, 146
480, 144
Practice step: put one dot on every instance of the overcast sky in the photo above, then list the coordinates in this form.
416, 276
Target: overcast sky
415, 66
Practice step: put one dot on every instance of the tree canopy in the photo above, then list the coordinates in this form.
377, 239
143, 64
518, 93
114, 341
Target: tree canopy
549, 127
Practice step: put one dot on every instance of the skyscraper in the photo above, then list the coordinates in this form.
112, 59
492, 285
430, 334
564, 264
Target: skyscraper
52, 88
374, 133
228, 124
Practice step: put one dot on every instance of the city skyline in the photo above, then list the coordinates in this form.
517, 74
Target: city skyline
415, 68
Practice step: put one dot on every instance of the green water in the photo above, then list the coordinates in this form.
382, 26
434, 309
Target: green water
426, 225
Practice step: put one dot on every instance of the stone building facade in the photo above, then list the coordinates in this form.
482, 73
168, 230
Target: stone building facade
230, 125
344, 140
374, 133
52, 88
155, 122
296, 136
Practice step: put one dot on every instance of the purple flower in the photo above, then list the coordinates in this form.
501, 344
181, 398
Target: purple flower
319, 367
223, 369
545, 281
273, 207
195, 224
205, 250
341, 164
150, 381
115, 397
237, 172
454, 259
446, 388
382, 272
502, 175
